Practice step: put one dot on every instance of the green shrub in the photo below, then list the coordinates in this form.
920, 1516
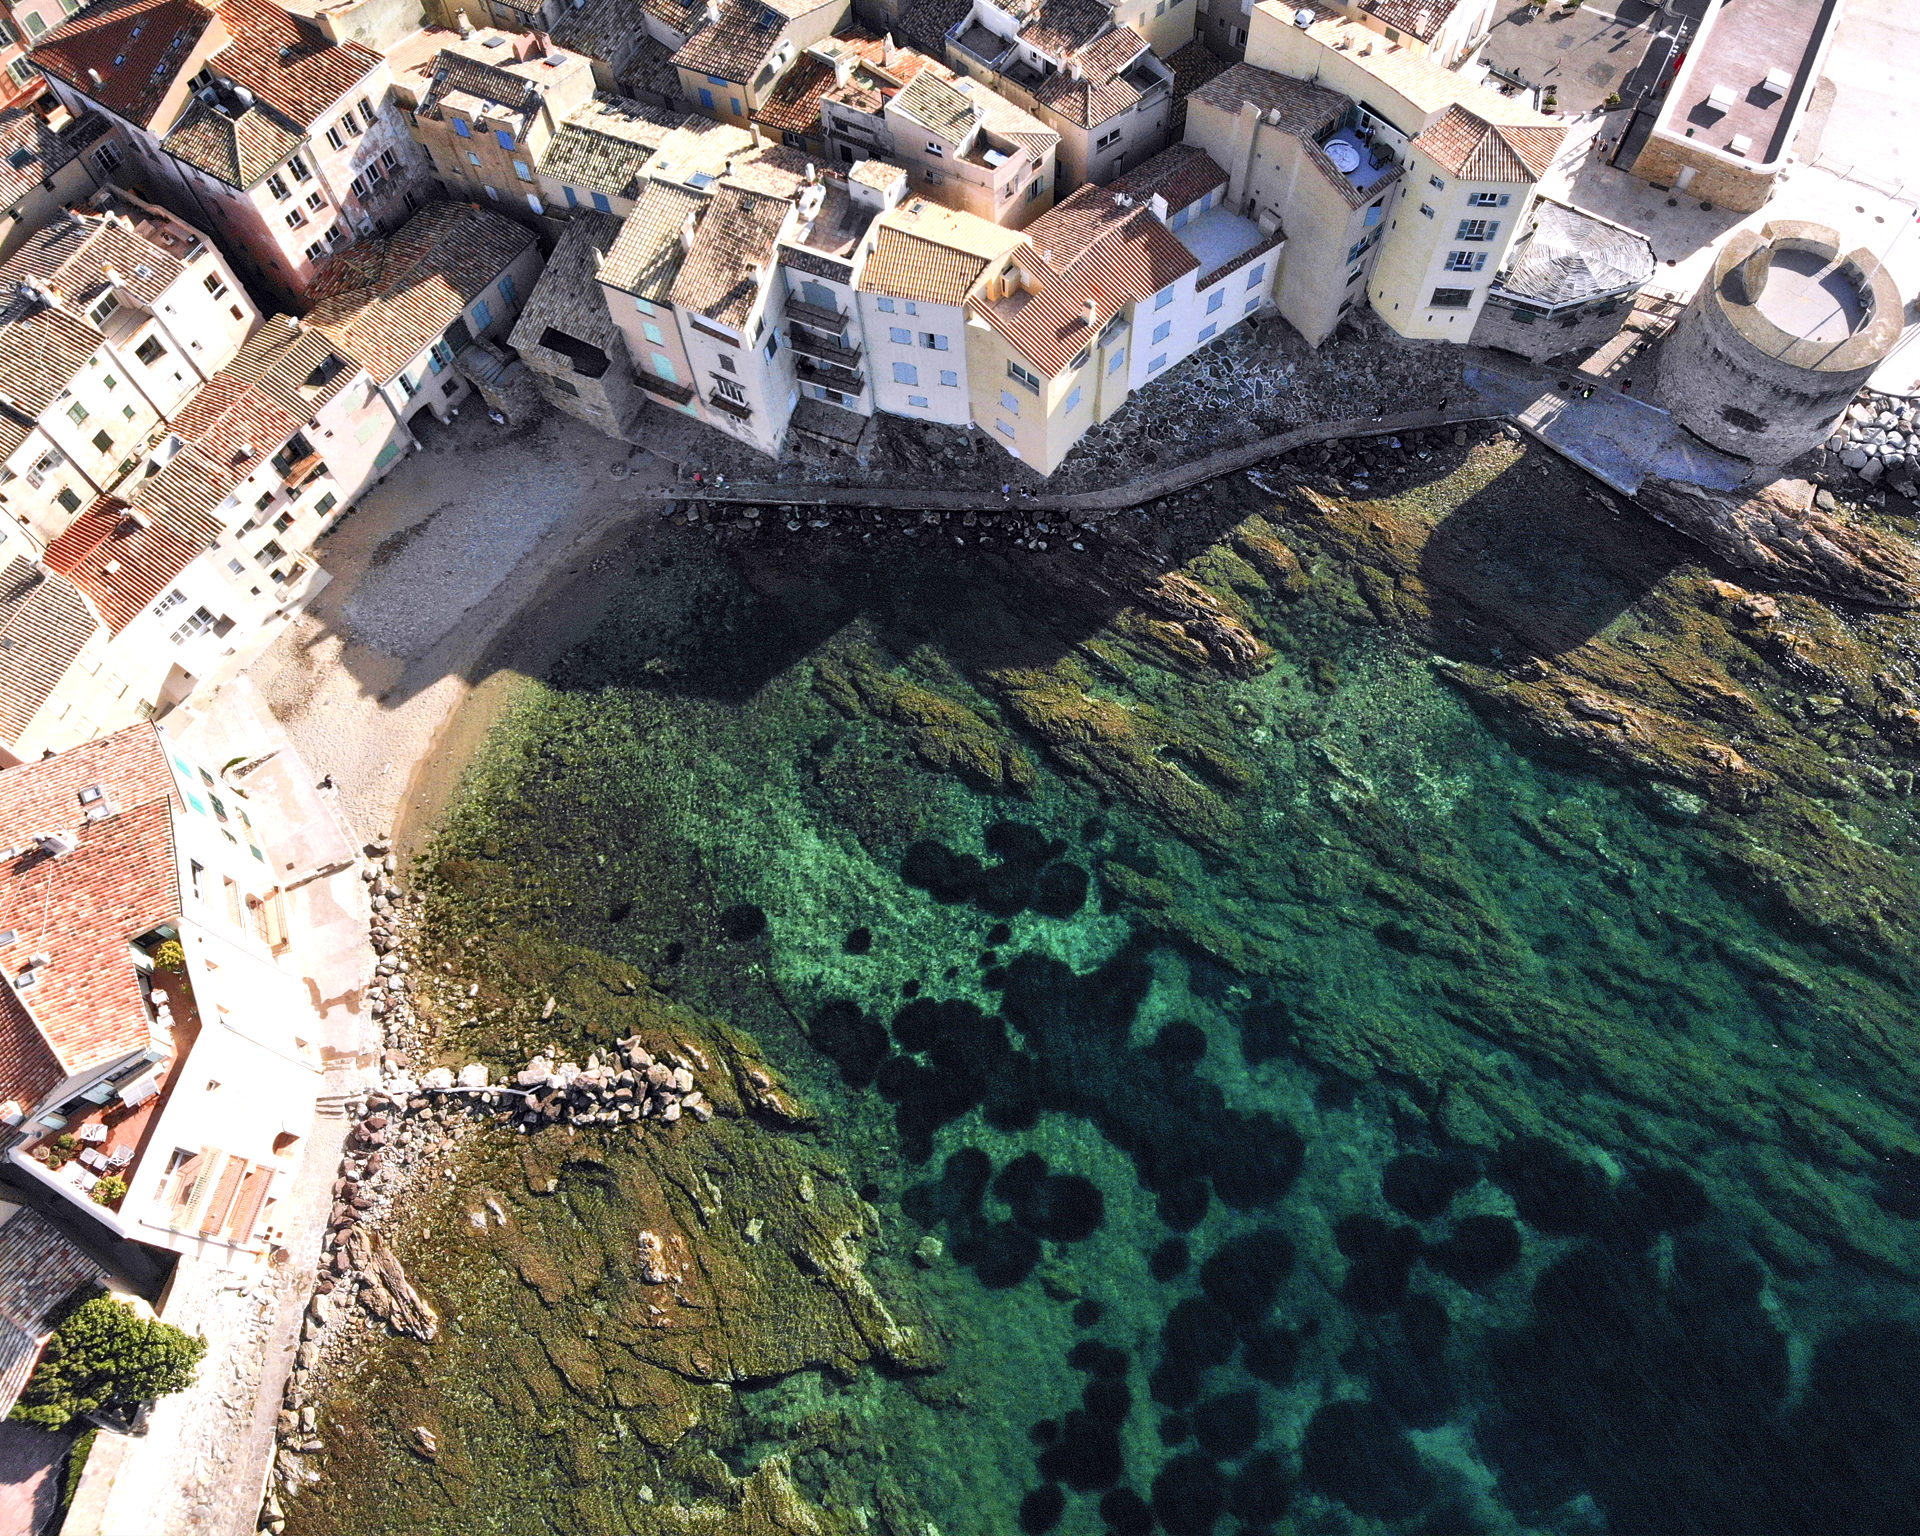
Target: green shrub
104, 1355
108, 1188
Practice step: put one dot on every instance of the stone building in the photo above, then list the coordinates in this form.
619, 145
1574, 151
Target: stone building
1727, 124
49, 160
1781, 336
1567, 286
567, 338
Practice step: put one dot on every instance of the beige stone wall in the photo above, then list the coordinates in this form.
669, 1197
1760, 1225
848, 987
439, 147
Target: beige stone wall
1662, 160
1545, 337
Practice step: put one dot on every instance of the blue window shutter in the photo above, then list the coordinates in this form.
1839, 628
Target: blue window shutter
482, 314
706, 98
503, 138
507, 290
734, 102
573, 197
600, 202
460, 128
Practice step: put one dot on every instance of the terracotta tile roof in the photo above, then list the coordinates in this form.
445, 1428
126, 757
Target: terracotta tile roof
1303, 108
608, 30
698, 148
1181, 174
878, 174
293, 364
1061, 28
649, 72
148, 64
233, 427
240, 151
925, 25
1193, 65
382, 301
1099, 91
734, 47
926, 251
937, 106
1476, 150
568, 298
681, 16
71, 257
31, 152
28, 1068
291, 67
1004, 119
1421, 19
645, 258
80, 911
44, 625
1090, 248
793, 106
39, 1270
778, 170
144, 561
603, 144
733, 245
41, 351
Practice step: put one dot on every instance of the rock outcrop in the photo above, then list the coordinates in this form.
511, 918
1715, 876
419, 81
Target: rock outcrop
1781, 535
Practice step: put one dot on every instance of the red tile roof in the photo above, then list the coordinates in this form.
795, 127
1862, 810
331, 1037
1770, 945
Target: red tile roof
82, 909
1090, 248
123, 562
290, 65
1182, 174
382, 301
1420, 19
1477, 150
1097, 91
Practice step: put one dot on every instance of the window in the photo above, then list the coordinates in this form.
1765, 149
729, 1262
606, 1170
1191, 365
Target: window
715, 80
525, 173
1010, 401
198, 623
68, 499
1451, 298
734, 102
1080, 361
215, 286
339, 140
1002, 428
172, 600
905, 373
103, 442
706, 98
107, 158
1487, 200
325, 504
1031, 380
237, 567
473, 160
932, 178
1477, 229
335, 235
127, 411
507, 291
1209, 333
1162, 331
885, 306
389, 161
1164, 297
772, 346
361, 186
268, 553
1466, 261
1425, 211
1033, 189
900, 335
278, 187
950, 378
1436, 183
316, 201
283, 522
1072, 400
299, 168
101, 312
1113, 363
1250, 306
366, 111
933, 342
77, 413
295, 218
732, 390
1216, 299
1157, 364
316, 251
482, 314
601, 203
653, 333
919, 400
565, 386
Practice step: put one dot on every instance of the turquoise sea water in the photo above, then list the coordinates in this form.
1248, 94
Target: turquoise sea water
1428, 1152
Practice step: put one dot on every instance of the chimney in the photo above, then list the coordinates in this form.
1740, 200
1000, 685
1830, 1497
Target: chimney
727, 169
753, 129
1092, 316
461, 24
842, 67
94, 76
686, 234
713, 13
889, 54
813, 173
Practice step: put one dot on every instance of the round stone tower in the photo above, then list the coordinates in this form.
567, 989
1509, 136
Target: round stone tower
1778, 341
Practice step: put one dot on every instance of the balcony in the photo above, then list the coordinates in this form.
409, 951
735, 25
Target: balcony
805, 341
820, 319
843, 379
666, 389
737, 409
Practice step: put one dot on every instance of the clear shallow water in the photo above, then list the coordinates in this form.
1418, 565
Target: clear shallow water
1429, 1153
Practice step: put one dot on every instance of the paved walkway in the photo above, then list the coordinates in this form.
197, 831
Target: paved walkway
1132, 493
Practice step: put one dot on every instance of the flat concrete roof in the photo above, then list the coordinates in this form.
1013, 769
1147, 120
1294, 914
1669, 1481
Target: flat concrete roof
1811, 298
1742, 43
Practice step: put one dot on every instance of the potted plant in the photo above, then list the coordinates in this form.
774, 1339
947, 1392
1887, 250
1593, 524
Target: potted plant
61, 1151
108, 1188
